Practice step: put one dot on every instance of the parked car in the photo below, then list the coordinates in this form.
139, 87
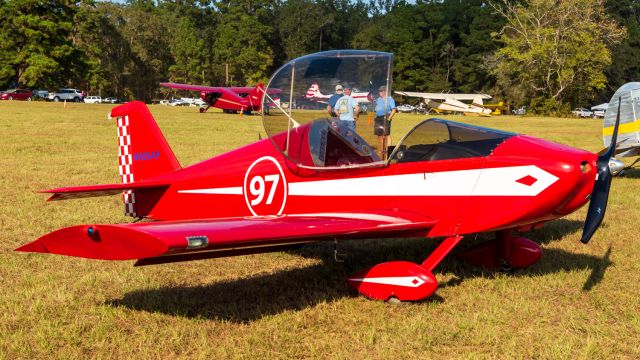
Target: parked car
179, 102
111, 100
16, 94
66, 94
93, 100
582, 112
40, 94
599, 110
406, 108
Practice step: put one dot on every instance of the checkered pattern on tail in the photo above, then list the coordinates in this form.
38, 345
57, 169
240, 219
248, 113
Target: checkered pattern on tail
125, 160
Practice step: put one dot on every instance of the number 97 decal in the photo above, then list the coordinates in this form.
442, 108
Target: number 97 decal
265, 187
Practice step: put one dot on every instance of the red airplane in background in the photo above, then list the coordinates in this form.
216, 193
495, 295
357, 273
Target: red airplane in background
321, 181
230, 99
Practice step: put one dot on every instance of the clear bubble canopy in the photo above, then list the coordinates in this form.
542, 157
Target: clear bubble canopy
330, 109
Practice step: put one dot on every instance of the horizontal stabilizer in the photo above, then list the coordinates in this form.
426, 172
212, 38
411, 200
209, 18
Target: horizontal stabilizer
78, 192
149, 240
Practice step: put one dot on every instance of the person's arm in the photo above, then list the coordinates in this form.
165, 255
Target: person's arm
392, 105
356, 111
329, 110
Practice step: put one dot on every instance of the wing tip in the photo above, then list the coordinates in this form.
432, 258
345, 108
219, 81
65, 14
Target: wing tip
35, 247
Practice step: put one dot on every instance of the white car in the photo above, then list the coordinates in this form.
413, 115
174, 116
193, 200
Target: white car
582, 112
406, 108
178, 102
93, 100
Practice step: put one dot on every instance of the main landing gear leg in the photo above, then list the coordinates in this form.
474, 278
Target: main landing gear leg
403, 280
505, 252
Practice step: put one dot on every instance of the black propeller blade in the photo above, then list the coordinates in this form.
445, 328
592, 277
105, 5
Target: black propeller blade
600, 193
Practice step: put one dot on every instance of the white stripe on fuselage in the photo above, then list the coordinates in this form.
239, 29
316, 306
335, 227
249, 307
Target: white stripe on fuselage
476, 182
237, 190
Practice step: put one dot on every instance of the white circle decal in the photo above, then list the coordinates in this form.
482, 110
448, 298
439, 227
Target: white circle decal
265, 187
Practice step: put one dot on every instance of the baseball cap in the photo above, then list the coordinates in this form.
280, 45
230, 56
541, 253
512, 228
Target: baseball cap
338, 87
382, 88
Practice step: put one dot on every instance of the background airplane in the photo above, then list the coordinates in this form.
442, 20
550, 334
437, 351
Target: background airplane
314, 94
230, 99
316, 181
452, 102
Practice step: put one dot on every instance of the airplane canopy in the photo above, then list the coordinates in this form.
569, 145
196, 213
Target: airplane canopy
298, 120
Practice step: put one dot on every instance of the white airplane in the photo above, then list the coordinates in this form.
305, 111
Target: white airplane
452, 102
314, 94
627, 97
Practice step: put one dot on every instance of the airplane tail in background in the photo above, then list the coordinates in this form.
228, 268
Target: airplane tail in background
255, 96
314, 91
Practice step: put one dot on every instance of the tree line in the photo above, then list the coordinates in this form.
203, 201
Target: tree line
548, 54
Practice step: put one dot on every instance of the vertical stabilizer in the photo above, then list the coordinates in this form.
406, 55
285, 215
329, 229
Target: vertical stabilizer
255, 96
143, 152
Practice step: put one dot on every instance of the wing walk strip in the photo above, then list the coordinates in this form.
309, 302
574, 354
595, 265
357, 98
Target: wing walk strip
504, 181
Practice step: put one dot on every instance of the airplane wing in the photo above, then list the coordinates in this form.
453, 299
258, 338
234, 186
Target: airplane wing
210, 89
442, 96
193, 87
171, 241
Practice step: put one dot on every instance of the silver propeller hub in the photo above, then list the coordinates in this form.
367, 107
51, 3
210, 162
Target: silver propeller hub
615, 166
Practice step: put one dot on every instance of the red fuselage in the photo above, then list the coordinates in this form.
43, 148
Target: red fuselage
524, 181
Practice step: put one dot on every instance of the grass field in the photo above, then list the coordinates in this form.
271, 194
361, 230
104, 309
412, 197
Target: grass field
577, 302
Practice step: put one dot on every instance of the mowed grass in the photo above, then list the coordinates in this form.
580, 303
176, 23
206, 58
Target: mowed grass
577, 302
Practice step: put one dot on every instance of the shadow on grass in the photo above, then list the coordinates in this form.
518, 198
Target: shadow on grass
597, 272
246, 299
249, 299
632, 173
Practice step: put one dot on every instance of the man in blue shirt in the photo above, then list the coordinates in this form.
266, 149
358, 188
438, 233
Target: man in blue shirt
385, 107
333, 100
347, 109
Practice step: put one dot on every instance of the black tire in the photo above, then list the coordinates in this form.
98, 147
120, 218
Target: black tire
10, 98
56, 99
76, 99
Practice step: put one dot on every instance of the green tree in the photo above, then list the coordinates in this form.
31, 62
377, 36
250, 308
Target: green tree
554, 48
35, 42
244, 40
624, 64
300, 35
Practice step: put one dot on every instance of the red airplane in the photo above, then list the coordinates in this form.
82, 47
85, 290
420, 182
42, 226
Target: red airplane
230, 99
321, 181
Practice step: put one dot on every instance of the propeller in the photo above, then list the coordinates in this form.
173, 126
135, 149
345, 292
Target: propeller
600, 193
